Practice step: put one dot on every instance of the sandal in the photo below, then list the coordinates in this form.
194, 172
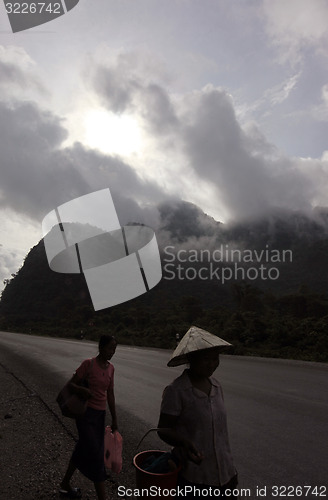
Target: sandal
71, 493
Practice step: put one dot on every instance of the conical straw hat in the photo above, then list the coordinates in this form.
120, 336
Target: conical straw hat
194, 340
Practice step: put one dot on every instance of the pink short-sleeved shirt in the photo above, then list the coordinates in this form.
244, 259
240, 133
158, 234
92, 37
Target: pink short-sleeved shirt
100, 381
202, 420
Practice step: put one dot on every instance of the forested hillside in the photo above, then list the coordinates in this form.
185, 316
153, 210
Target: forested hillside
285, 317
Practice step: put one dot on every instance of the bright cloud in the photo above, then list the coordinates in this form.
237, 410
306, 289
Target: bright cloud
296, 25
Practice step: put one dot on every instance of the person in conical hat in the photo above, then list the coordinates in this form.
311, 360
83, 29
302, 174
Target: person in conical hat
195, 339
193, 417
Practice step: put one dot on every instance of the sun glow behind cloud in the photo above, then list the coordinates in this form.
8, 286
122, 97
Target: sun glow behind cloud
112, 134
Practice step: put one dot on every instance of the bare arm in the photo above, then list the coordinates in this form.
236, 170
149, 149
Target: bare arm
112, 408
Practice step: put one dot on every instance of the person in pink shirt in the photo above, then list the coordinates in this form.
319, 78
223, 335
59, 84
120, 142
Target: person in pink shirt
88, 454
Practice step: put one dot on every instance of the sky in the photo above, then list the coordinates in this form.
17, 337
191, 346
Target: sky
222, 104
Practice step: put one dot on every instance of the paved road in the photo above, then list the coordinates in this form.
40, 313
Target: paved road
277, 410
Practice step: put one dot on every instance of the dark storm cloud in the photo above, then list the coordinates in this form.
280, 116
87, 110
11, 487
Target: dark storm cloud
249, 174
36, 174
157, 109
135, 199
117, 92
121, 90
220, 153
251, 178
33, 173
12, 76
10, 73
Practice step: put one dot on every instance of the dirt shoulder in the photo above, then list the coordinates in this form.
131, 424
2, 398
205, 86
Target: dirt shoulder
36, 446
36, 442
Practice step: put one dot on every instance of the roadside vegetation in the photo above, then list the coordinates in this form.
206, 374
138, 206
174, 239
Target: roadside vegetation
257, 322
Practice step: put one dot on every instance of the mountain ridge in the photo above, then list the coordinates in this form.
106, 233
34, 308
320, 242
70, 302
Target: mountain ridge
247, 312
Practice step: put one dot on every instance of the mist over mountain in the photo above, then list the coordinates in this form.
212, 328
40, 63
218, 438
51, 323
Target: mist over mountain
211, 276
183, 220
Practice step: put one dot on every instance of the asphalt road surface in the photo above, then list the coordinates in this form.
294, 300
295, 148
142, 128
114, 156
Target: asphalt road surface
277, 409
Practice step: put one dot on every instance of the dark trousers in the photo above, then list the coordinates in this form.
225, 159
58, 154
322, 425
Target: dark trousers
88, 455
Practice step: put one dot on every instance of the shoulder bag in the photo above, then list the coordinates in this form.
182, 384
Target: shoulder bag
70, 404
